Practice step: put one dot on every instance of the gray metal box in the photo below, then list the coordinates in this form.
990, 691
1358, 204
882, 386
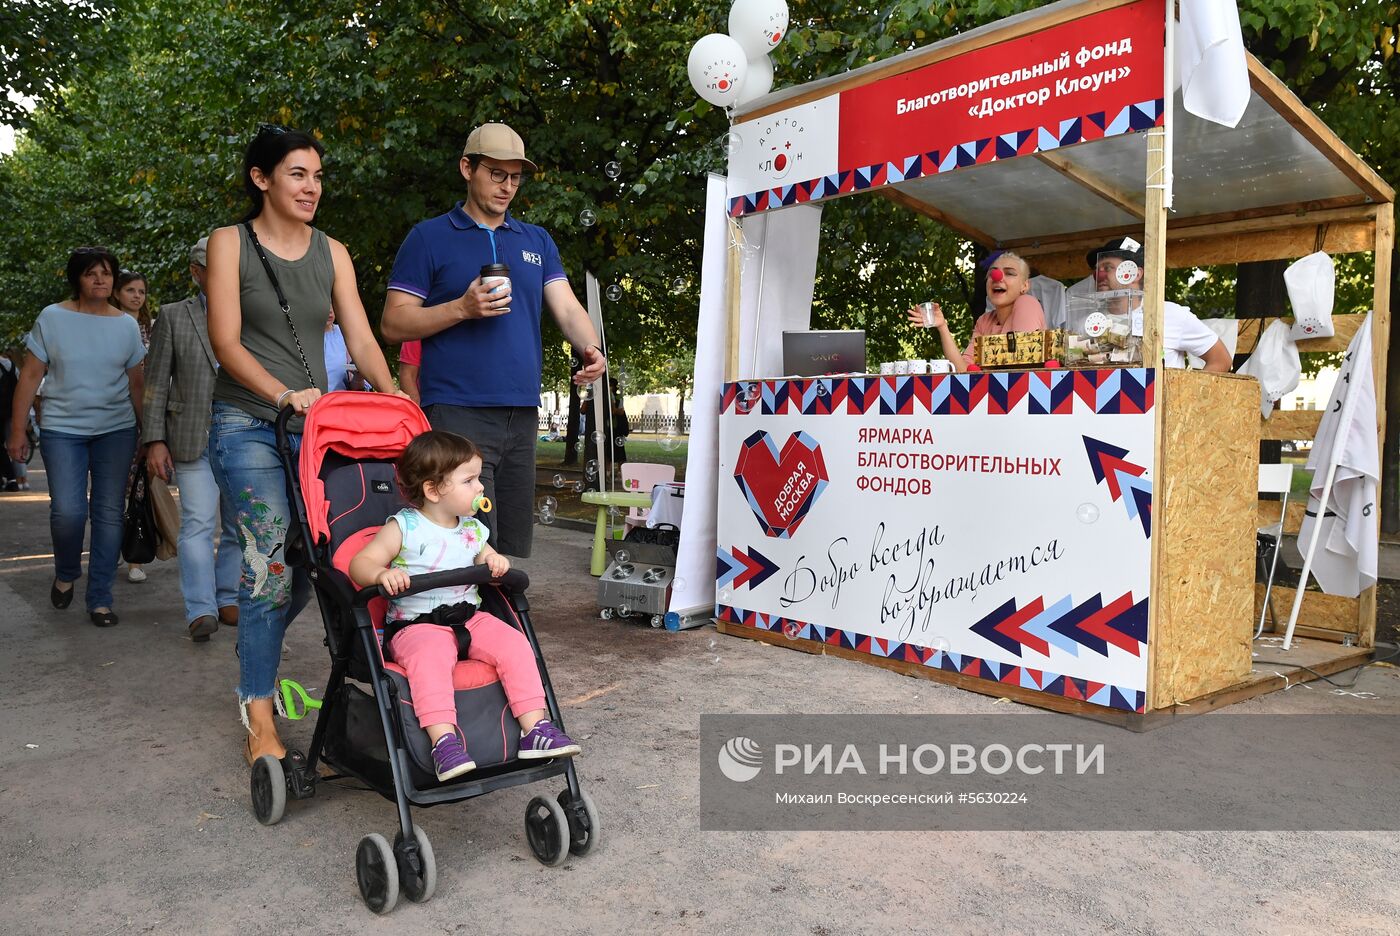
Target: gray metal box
635, 588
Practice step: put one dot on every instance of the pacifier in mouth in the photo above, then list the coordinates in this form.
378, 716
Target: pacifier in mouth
482, 503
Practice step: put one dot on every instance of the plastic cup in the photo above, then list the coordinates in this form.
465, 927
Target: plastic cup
926, 310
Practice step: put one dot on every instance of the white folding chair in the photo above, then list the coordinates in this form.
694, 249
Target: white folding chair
1273, 479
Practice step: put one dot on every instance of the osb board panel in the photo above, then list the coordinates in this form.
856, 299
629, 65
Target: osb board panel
1193, 249
1346, 327
1204, 509
1290, 424
1328, 612
1272, 671
1269, 510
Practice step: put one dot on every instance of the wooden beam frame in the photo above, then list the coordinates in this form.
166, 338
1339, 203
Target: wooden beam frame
905, 200
1100, 187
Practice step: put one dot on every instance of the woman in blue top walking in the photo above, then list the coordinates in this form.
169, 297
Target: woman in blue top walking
92, 353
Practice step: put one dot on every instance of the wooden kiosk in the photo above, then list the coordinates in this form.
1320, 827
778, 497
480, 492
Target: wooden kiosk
1080, 540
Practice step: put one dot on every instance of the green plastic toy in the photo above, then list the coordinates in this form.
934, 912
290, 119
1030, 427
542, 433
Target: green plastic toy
292, 696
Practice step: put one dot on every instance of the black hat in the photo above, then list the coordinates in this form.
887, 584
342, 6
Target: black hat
1124, 248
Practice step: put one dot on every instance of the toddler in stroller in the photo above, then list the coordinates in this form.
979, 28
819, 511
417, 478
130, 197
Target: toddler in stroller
343, 484
439, 475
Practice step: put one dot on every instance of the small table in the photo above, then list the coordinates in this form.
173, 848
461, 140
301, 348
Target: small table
604, 500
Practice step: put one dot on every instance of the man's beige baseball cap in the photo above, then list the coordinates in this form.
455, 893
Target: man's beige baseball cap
497, 141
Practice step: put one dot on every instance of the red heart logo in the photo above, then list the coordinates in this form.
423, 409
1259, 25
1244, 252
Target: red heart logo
781, 487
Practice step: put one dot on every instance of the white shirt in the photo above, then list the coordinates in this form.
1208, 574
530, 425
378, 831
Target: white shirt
1183, 334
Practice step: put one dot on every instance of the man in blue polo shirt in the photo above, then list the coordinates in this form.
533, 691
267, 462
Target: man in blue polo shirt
482, 351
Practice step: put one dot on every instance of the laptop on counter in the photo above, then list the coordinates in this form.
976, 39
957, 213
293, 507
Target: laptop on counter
817, 353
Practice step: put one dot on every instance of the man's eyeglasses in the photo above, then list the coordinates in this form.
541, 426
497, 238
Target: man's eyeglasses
500, 175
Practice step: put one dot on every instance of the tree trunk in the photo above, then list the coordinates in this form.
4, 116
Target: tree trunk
1260, 293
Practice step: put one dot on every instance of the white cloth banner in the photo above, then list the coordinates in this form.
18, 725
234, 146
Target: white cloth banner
1211, 61
694, 586
779, 273
1345, 563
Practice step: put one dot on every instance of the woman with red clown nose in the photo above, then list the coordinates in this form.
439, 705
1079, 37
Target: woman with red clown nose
1013, 309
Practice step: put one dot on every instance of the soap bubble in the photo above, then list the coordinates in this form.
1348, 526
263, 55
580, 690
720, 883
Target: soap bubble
613, 169
726, 595
821, 388
792, 629
587, 218
614, 514
940, 644
585, 392
730, 143
578, 446
546, 516
671, 366
678, 583
598, 436
619, 442
613, 292
678, 285
578, 487
752, 392
622, 555
590, 470
549, 503
1087, 513
624, 610
558, 480
670, 443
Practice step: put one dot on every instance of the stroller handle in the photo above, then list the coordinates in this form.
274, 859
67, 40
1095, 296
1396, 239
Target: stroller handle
514, 580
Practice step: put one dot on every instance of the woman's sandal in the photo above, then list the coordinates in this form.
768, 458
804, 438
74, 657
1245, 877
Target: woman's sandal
103, 618
58, 598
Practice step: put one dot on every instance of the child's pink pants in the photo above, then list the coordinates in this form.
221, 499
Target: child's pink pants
428, 653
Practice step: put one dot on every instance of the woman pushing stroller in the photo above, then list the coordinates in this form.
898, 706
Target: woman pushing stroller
439, 474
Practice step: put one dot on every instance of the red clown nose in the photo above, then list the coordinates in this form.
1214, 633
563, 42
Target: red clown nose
997, 275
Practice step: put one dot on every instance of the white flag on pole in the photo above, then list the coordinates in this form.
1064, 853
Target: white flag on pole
1345, 561
1210, 59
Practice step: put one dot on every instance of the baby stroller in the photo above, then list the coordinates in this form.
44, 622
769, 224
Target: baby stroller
343, 489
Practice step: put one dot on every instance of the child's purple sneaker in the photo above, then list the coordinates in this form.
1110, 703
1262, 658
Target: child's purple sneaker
450, 757
546, 740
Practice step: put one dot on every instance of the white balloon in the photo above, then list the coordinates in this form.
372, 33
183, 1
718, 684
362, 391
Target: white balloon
758, 80
758, 25
716, 67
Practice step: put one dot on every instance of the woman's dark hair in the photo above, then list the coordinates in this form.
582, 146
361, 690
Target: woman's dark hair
432, 456
266, 152
125, 277
84, 259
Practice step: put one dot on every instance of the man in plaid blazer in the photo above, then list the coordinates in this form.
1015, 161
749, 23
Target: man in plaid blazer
180, 369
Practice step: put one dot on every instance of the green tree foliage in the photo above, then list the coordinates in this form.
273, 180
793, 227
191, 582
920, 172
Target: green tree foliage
142, 149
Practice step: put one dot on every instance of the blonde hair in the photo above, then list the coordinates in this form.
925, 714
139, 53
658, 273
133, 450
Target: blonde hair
1025, 267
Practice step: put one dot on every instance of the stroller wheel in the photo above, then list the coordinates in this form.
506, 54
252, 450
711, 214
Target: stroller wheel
418, 886
582, 837
606, 614
268, 787
376, 873
547, 831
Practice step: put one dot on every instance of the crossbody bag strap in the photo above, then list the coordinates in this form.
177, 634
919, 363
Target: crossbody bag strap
281, 300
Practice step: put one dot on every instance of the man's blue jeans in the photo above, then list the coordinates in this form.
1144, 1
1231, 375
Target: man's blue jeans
206, 582
71, 461
253, 491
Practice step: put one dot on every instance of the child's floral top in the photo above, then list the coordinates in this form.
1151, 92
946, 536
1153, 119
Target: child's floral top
428, 547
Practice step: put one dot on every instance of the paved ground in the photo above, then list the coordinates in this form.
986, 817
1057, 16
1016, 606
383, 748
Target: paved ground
124, 805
